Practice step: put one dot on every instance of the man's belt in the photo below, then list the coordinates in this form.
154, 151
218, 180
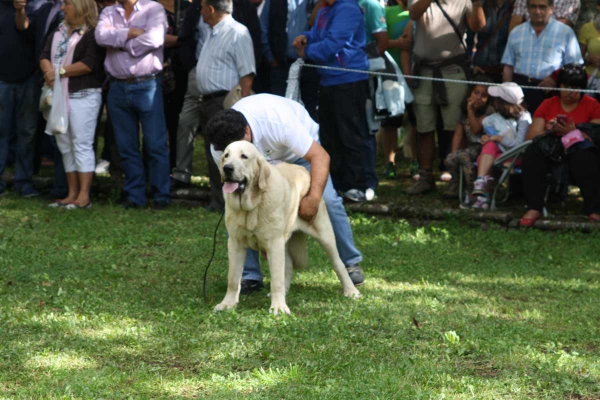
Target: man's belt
136, 79
214, 95
522, 79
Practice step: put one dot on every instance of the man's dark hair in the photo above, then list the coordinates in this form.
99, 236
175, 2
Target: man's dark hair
573, 75
550, 3
224, 128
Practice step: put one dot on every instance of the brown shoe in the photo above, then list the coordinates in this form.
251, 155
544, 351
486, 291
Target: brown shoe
425, 184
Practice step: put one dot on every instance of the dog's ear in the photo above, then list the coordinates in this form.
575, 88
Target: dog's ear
264, 172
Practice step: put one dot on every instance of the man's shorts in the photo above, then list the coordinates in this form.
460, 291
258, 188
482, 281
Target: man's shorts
425, 106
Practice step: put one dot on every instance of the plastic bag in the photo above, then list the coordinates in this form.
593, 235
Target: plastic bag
46, 100
58, 119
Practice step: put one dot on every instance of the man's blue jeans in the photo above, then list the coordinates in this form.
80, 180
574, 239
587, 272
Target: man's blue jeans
18, 109
344, 239
128, 105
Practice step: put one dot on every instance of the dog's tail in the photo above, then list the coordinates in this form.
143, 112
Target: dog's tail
297, 249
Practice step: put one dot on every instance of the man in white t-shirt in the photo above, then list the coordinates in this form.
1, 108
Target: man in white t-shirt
282, 130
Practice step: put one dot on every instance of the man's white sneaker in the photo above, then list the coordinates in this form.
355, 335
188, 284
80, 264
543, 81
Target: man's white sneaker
102, 167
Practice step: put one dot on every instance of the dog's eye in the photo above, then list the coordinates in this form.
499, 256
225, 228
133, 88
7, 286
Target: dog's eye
226, 155
244, 157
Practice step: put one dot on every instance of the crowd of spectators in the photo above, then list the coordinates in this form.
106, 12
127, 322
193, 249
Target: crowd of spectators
159, 70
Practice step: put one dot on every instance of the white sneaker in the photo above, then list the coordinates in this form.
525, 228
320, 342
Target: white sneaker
369, 194
102, 167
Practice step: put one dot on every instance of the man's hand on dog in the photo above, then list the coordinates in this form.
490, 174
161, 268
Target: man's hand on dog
309, 206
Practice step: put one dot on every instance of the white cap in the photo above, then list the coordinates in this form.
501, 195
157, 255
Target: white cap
508, 91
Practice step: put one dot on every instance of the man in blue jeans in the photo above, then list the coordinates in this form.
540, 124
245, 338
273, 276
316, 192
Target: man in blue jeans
282, 130
133, 31
18, 103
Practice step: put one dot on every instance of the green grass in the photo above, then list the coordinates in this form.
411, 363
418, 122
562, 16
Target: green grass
107, 303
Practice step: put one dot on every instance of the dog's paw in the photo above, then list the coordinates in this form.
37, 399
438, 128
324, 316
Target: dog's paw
224, 307
352, 293
280, 309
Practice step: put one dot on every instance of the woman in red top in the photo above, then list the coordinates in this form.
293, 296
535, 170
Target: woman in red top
560, 114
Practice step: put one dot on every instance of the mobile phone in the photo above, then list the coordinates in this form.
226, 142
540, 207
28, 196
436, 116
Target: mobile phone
561, 118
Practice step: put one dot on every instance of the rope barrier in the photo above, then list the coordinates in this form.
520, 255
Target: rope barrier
427, 78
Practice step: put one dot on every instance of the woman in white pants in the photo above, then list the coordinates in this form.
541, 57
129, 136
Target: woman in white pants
73, 50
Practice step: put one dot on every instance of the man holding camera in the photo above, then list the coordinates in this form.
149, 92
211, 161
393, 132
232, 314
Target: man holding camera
439, 52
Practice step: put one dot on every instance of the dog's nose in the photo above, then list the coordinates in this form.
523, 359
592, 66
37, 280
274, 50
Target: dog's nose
228, 169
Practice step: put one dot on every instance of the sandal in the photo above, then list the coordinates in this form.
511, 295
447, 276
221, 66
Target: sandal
528, 222
58, 204
75, 205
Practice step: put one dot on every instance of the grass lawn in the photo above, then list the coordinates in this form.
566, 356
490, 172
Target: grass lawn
107, 303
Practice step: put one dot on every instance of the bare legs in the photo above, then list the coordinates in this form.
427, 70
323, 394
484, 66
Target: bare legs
80, 184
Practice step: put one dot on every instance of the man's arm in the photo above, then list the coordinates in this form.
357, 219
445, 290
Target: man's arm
515, 21
476, 19
245, 63
153, 36
565, 21
518, 14
417, 10
319, 173
508, 59
382, 40
21, 19
313, 14
507, 73
246, 84
405, 53
109, 36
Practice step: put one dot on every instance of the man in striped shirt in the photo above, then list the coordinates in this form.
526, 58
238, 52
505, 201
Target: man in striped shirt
226, 60
536, 49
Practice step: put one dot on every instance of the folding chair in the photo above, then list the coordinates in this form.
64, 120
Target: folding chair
513, 154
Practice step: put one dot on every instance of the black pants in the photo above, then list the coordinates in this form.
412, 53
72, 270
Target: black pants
173, 103
343, 131
110, 152
533, 97
584, 169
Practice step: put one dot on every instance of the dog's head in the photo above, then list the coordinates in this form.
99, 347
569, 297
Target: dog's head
242, 166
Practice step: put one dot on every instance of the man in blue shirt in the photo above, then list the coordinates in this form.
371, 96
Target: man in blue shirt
536, 49
338, 40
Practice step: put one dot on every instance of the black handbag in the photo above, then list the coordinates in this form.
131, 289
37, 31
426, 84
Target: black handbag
551, 146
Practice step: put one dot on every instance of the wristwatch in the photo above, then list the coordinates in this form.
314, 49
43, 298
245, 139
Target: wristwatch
62, 72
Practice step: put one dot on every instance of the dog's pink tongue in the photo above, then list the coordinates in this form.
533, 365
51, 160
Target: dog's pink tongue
230, 187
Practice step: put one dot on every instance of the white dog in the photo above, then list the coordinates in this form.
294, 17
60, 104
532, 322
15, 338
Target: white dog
261, 213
